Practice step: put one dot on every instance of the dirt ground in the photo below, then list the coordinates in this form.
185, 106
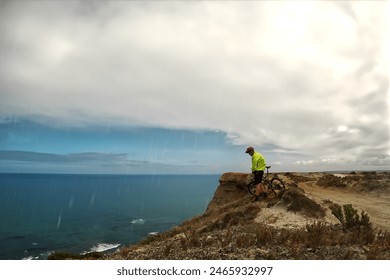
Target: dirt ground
376, 203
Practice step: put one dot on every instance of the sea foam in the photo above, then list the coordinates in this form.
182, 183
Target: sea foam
101, 247
138, 221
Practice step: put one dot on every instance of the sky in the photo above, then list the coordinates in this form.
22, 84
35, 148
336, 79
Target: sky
141, 87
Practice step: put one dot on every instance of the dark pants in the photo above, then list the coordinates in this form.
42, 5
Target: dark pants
258, 176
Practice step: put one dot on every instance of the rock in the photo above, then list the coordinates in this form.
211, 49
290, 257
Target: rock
232, 187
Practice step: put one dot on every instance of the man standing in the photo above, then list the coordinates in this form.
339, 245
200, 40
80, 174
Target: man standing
258, 166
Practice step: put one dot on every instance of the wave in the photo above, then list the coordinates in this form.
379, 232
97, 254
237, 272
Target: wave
29, 258
138, 221
41, 256
30, 255
101, 247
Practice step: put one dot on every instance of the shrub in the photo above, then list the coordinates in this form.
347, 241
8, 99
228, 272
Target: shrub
359, 228
296, 201
226, 239
263, 234
317, 234
245, 240
192, 238
349, 217
338, 213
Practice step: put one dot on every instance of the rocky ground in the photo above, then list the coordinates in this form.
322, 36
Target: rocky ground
319, 216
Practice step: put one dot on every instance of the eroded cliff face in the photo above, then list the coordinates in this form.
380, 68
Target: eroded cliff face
232, 187
296, 225
293, 209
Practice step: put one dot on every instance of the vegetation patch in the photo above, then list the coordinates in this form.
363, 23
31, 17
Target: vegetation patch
329, 180
298, 178
296, 201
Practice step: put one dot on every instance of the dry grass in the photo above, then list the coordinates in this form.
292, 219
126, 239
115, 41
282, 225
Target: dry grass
233, 234
297, 201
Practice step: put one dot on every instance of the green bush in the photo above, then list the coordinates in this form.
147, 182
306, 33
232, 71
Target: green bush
338, 213
359, 228
349, 217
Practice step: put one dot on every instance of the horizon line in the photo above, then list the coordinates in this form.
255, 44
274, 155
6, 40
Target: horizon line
189, 174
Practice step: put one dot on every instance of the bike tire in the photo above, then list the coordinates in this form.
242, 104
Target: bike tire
277, 186
251, 188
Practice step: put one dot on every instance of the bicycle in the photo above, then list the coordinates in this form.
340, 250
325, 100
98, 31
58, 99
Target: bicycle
275, 184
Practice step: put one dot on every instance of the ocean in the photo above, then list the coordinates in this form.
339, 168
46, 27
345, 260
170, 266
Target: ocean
45, 213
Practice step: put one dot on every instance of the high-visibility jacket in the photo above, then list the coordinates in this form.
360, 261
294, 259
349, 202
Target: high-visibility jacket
258, 162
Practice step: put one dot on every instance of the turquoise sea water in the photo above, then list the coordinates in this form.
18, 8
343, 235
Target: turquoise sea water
44, 213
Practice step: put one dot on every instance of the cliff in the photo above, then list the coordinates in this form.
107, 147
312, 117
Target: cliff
319, 216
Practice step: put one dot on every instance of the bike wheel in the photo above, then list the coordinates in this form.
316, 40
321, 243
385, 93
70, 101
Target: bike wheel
277, 186
251, 188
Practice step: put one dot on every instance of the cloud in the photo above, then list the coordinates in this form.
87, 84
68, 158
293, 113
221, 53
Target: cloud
77, 158
102, 163
24, 161
307, 77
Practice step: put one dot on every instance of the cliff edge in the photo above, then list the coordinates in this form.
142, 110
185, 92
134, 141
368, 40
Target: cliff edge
315, 218
319, 216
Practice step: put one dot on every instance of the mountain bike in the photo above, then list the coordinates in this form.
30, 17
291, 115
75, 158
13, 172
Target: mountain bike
274, 184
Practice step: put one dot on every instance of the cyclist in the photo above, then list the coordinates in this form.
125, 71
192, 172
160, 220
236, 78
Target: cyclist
258, 166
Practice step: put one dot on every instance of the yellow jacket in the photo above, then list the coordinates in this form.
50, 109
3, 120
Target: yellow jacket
258, 162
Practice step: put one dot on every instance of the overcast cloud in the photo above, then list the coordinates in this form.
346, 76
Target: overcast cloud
305, 78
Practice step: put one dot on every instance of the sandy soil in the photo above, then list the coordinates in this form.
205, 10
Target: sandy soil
378, 208
376, 205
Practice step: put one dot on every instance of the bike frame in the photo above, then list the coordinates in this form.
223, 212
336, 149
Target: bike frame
274, 184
